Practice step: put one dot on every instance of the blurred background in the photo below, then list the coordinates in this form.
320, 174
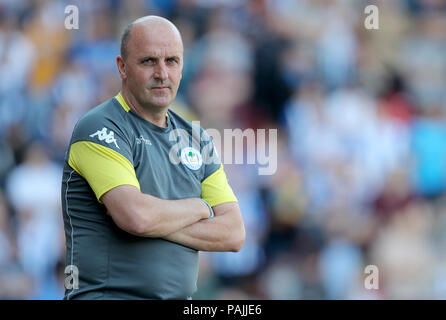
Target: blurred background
361, 125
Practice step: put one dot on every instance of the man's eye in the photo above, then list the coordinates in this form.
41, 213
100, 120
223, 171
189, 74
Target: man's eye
148, 61
172, 60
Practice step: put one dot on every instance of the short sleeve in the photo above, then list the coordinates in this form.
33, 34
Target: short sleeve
216, 190
102, 155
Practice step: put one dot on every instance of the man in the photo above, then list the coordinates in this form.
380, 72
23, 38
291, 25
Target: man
140, 193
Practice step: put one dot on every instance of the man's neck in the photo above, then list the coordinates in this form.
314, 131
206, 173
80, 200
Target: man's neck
157, 117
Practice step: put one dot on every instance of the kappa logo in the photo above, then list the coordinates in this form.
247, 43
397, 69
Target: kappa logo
103, 135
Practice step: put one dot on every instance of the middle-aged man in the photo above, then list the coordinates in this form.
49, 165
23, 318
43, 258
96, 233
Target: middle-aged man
143, 190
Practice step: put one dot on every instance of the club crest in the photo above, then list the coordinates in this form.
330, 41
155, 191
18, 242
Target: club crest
191, 158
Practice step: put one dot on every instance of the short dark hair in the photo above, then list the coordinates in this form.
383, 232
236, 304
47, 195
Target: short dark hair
125, 40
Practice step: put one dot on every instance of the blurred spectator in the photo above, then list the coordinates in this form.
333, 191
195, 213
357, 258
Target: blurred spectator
341, 260
429, 152
404, 256
6, 246
50, 41
16, 55
336, 47
8, 161
422, 61
281, 281
33, 190
14, 283
394, 196
16, 58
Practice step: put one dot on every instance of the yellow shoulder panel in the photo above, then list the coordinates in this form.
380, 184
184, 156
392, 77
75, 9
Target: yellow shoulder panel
102, 167
216, 190
122, 102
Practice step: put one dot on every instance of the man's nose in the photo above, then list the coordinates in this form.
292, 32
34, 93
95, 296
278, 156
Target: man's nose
161, 72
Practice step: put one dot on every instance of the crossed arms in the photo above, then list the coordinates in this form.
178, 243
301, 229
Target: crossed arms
184, 221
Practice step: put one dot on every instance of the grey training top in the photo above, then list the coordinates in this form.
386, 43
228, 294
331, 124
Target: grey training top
111, 146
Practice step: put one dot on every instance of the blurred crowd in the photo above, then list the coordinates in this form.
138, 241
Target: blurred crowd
361, 121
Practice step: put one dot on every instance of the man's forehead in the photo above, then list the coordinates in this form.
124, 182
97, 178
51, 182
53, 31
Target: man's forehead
157, 41
158, 52
157, 48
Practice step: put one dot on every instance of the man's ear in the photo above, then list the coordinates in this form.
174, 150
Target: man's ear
121, 67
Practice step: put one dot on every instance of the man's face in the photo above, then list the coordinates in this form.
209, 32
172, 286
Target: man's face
154, 64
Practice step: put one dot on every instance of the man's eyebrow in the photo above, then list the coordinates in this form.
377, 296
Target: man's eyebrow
148, 57
176, 57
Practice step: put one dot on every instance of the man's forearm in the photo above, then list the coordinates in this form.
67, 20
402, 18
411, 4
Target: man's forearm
225, 232
148, 216
167, 216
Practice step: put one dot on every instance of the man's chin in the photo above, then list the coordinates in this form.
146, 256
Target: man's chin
159, 104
